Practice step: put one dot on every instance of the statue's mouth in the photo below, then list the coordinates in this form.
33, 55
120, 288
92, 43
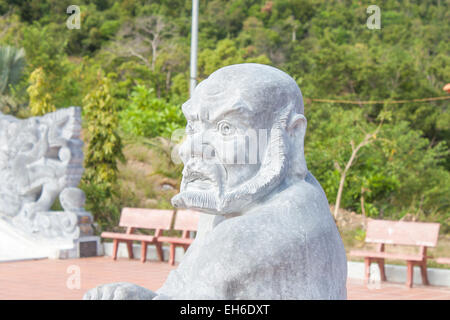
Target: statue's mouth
199, 181
203, 179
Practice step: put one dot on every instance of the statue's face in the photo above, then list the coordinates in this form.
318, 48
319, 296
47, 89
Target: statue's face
222, 147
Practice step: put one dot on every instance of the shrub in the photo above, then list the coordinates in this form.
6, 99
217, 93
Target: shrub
149, 116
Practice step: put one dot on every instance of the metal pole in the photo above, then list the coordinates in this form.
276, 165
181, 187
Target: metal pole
194, 43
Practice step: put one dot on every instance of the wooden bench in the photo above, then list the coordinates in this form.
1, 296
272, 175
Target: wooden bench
382, 232
136, 218
186, 221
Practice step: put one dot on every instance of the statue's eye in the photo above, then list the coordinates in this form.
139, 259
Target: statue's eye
225, 128
189, 127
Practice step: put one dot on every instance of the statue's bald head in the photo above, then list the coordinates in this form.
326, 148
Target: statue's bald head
265, 90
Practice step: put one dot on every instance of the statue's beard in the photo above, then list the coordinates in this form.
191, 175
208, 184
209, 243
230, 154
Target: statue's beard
201, 187
203, 184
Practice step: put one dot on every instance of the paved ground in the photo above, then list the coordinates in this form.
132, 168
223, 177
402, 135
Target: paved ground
57, 279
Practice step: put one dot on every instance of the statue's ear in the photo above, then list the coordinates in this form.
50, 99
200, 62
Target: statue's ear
296, 130
297, 125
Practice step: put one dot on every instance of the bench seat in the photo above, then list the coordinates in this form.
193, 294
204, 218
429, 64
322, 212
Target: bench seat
443, 260
125, 236
385, 255
176, 240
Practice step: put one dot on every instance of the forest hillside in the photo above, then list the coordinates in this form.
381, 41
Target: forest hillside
128, 67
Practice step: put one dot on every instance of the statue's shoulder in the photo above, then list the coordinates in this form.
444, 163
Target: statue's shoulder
305, 197
289, 216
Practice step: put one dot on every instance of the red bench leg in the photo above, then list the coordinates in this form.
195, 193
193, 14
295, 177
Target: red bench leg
159, 251
115, 248
130, 249
172, 254
367, 262
382, 271
423, 270
143, 251
410, 274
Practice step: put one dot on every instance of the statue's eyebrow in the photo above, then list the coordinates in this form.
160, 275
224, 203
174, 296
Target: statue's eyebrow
239, 108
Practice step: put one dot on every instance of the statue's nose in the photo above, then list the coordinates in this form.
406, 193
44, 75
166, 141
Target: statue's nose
197, 147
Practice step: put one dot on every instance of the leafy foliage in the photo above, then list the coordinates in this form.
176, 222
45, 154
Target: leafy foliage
12, 62
324, 45
166, 167
105, 146
40, 99
103, 151
400, 172
224, 54
149, 116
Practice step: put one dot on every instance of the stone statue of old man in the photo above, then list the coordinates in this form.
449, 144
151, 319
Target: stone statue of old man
267, 231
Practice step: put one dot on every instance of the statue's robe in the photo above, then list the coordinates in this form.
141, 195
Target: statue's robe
286, 247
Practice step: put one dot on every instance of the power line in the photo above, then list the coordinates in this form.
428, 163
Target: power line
377, 101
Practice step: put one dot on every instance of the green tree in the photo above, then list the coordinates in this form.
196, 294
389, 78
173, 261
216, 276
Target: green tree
149, 116
224, 54
45, 48
103, 152
40, 99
